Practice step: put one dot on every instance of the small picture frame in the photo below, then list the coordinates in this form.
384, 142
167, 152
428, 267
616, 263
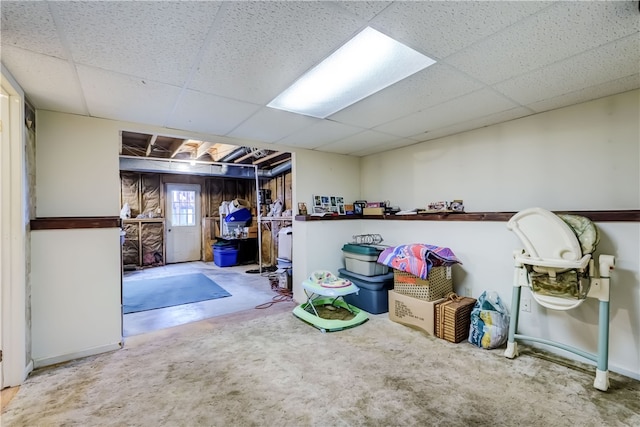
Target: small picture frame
326, 204
302, 209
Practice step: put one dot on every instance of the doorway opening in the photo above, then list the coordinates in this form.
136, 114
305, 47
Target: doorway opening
175, 191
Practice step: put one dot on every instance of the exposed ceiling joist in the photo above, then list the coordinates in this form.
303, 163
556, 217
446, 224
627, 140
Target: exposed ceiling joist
273, 157
152, 141
203, 148
177, 147
243, 158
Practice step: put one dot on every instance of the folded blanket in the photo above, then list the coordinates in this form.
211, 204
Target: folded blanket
417, 258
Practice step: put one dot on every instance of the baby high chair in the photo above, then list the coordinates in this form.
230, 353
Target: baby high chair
557, 266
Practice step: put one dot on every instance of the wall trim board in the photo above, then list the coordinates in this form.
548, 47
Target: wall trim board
66, 223
596, 216
48, 361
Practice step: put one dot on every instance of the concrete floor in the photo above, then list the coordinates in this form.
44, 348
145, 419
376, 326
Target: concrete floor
247, 291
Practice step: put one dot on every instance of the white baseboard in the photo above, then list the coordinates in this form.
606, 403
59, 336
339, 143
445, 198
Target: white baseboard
625, 372
48, 361
28, 369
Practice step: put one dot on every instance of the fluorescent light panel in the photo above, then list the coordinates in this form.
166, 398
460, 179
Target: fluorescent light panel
366, 64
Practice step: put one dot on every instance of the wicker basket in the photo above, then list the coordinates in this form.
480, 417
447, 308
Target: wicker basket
453, 318
437, 285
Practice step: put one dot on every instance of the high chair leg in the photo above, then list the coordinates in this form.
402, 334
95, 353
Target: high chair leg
602, 372
512, 346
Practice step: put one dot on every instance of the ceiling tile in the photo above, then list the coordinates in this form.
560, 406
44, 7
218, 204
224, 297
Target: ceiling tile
321, 133
50, 83
422, 90
253, 58
105, 92
552, 35
211, 67
208, 113
162, 47
464, 108
271, 125
440, 28
30, 26
364, 9
357, 142
611, 62
587, 94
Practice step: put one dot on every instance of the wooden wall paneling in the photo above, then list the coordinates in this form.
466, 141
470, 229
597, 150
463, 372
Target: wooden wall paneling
287, 200
267, 252
216, 190
229, 190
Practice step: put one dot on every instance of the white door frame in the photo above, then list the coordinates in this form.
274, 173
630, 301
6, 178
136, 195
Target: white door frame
171, 230
13, 232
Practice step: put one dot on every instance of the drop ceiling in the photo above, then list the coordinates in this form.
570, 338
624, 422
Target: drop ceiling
212, 67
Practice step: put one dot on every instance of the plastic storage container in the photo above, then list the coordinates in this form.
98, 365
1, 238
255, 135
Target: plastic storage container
361, 259
373, 296
225, 256
285, 237
237, 219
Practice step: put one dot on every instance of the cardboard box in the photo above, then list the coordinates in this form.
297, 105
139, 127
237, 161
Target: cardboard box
412, 311
373, 211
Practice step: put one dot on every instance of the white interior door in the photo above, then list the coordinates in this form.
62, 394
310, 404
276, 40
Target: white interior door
4, 121
182, 222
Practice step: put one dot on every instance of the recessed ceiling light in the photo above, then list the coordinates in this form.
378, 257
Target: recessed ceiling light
366, 64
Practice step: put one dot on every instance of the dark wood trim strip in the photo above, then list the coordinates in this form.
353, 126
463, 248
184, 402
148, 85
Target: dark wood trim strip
596, 216
66, 223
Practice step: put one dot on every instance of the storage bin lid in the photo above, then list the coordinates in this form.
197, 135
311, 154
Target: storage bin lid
382, 278
240, 215
361, 249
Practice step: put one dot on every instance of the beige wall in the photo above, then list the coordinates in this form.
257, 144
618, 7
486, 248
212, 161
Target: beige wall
317, 245
75, 274
71, 146
584, 157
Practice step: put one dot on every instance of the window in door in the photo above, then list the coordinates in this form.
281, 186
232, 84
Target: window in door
183, 208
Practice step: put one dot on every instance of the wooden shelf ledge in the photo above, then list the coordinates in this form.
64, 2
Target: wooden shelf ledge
595, 216
66, 223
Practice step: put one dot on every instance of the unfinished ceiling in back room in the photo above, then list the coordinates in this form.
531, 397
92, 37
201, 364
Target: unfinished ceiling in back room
212, 67
138, 152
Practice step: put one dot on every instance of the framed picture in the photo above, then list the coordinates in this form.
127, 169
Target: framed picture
325, 204
302, 208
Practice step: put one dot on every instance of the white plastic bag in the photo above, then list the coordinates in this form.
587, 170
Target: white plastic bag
489, 321
125, 212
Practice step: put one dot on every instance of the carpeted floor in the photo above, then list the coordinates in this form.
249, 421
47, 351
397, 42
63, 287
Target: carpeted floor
268, 368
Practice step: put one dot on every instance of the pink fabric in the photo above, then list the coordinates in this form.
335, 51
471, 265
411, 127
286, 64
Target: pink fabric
417, 258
